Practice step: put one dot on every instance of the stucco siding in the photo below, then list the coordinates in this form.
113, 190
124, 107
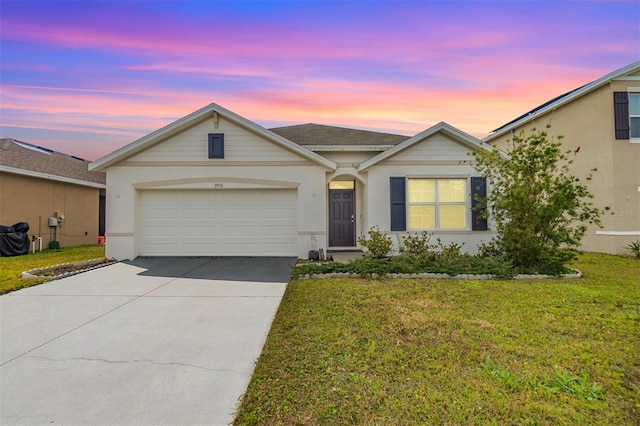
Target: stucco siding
588, 123
125, 185
33, 200
378, 202
436, 156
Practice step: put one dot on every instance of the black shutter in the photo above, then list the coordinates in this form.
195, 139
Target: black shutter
216, 145
398, 204
621, 114
478, 194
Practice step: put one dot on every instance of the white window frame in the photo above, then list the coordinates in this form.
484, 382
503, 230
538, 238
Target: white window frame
437, 203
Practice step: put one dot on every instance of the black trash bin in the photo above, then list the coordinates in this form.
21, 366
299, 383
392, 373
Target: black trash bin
14, 240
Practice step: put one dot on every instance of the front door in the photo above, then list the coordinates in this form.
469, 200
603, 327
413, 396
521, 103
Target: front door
342, 230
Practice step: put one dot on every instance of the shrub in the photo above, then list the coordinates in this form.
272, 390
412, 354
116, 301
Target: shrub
634, 248
498, 266
450, 251
540, 209
490, 249
378, 245
416, 244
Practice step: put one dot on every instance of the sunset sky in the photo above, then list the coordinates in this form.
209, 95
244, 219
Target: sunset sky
87, 77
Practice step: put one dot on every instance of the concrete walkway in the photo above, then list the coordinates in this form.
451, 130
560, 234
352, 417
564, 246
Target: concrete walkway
161, 341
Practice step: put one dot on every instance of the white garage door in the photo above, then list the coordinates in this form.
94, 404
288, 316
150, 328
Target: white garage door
219, 223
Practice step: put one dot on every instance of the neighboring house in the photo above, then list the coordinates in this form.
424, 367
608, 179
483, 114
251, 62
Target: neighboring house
37, 183
602, 120
216, 184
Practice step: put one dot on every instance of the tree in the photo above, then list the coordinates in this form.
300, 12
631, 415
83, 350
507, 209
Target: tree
540, 210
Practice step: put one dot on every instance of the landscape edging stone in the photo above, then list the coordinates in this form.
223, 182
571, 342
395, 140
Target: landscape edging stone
84, 266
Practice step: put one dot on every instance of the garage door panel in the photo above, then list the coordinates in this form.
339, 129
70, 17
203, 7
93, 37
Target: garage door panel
246, 212
159, 232
219, 223
198, 232
199, 214
239, 249
276, 213
159, 213
240, 231
276, 231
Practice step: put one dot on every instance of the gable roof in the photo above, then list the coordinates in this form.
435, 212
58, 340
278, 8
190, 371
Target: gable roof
203, 113
22, 158
562, 100
442, 127
316, 136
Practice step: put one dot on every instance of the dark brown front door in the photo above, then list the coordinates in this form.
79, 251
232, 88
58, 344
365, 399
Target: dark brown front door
341, 218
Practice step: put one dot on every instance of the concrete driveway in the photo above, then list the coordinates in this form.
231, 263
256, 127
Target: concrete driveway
153, 341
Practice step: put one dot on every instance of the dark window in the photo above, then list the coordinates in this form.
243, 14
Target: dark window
398, 204
216, 145
478, 194
634, 115
621, 114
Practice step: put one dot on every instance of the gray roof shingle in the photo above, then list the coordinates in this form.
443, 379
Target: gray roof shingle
316, 135
25, 156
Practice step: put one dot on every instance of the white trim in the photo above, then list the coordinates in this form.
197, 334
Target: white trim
628, 78
188, 121
347, 148
619, 233
48, 176
447, 129
615, 75
437, 203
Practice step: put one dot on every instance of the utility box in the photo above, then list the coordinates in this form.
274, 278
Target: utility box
53, 222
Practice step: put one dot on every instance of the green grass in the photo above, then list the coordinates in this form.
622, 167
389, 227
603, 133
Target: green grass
12, 267
405, 352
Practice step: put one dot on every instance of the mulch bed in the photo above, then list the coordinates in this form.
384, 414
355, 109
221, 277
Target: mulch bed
66, 269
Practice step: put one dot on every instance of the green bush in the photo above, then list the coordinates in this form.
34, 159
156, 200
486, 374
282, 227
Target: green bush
378, 245
490, 249
499, 266
539, 208
634, 248
416, 244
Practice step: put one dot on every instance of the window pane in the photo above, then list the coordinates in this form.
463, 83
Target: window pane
342, 184
635, 127
452, 190
453, 217
422, 190
634, 104
422, 217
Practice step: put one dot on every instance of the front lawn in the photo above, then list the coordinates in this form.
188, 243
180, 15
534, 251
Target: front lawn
11, 268
416, 351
